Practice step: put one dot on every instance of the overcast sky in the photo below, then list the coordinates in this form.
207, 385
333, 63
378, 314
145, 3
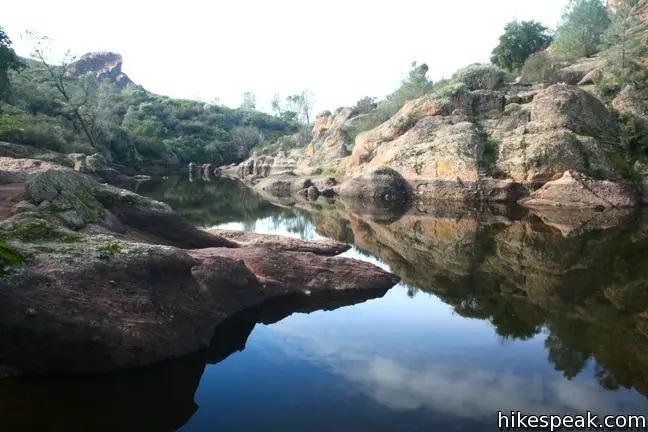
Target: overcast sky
339, 49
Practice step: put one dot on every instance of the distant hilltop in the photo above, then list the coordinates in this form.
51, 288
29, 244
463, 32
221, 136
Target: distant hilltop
102, 66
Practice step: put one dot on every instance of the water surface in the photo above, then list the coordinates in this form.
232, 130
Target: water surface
499, 310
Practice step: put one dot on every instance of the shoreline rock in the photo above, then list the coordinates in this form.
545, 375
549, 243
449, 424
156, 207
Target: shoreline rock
112, 280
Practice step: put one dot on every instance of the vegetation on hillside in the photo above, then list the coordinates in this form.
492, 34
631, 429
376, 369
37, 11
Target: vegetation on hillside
46, 106
520, 40
580, 31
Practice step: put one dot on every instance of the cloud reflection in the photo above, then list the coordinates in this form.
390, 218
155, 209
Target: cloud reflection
464, 390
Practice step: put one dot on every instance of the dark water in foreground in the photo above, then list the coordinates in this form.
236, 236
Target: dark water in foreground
499, 310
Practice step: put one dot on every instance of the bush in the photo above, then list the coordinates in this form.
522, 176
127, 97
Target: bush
520, 40
364, 106
540, 68
480, 77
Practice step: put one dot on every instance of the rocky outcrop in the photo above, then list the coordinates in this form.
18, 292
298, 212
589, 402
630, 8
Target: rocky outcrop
143, 303
474, 147
330, 142
281, 243
576, 73
634, 101
577, 190
97, 166
257, 167
108, 279
283, 185
382, 184
101, 66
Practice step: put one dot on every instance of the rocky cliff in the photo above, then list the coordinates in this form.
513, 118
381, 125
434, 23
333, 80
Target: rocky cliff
490, 145
101, 66
330, 143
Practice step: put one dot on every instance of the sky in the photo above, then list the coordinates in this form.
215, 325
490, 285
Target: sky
340, 50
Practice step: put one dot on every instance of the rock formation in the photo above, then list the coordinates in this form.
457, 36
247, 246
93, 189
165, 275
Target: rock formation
330, 142
476, 147
101, 66
111, 280
579, 275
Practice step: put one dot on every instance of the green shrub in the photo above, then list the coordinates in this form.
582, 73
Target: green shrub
480, 77
626, 169
520, 40
540, 68
9, 257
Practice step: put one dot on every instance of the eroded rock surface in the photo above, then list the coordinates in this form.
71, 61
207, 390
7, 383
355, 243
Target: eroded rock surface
95, 290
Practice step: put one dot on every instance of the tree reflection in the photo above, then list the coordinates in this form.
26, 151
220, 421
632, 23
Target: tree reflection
587, 290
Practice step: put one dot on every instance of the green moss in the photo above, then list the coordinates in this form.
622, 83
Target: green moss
110, 247
329, 172
31, 229
9, 257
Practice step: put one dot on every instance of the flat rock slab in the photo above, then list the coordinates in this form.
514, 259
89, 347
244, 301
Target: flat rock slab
103, 304
282, 243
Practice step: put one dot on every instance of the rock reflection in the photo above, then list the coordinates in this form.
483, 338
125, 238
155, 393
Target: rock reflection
581, 275
158, 398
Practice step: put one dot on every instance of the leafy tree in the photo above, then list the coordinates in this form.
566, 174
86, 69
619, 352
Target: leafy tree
8, 61
249, 101
365, 105
302, 104
623, 50
74, 97
246, 137
276, 105
519, 41
581, 29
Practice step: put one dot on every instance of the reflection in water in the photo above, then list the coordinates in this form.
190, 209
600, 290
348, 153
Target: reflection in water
158, 398
500, 309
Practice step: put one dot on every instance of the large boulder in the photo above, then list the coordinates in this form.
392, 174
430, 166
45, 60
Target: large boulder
382, 184
562, 128
567, 129
98, 304
482, 145
575, 73
577, 190
283, 185
634, 101
77, 201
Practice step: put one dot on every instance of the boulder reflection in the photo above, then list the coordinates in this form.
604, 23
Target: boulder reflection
157, 398
581, 275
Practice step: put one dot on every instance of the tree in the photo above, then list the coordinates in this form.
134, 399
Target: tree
519, 41
246, 137
581, 29
276, 105
8, 61
75, 97
249, 101
302, 103
623, 50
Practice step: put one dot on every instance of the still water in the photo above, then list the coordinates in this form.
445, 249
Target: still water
499, 310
